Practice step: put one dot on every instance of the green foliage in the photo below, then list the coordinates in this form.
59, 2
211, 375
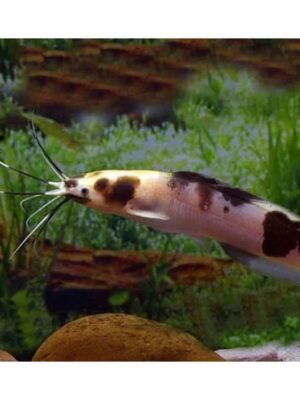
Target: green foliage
9, 58
254, 133
66, 44
286, 332
24, 321
240, 309
9, 115
282, 164
50, 44
12, 117
52, 128
118, 298
150, 301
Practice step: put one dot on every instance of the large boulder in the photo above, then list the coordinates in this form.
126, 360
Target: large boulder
121, 337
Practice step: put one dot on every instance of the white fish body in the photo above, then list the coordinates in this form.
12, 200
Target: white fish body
255, 232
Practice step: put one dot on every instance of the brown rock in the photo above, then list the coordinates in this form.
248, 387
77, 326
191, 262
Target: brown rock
121, 337
4, 356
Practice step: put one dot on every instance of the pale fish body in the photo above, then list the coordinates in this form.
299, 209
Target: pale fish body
256, 233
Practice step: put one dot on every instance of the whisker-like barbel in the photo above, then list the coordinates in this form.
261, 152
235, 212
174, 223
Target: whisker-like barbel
29, 236
45, 221
39, 210
50, 162
57, 193
50, 216
27, 199
22, 172
22, 193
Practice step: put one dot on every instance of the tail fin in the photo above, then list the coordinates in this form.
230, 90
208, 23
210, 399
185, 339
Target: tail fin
263, 265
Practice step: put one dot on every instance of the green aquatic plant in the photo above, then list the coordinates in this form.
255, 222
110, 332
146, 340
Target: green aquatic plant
240, 309
282, 177
285, 331
24, 319
9, 58
52, 128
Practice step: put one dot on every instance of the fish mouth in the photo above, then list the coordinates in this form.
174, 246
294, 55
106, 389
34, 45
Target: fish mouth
77, 199
60, 191
69, 189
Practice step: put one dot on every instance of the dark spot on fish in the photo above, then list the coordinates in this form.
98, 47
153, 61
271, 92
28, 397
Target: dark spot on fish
180, 180
71, 183
185, 177
226, 210
235, 196
177, 182
123, 190
205, 196
101, 184
119, 192
281, 234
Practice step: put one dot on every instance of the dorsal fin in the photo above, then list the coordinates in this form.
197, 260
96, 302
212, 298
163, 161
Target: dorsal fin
232, 194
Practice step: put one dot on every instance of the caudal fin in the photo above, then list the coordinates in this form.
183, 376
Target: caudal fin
262, 265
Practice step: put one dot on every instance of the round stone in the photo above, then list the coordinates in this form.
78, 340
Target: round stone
121, 337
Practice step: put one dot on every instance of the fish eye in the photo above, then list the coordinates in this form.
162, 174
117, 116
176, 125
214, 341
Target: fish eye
84, 191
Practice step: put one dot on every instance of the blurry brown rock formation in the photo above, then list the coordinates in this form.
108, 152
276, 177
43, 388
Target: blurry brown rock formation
108, 78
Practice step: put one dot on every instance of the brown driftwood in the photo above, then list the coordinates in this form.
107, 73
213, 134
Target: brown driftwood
82, 279
109, 270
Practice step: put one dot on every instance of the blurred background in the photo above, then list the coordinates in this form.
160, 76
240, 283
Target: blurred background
229, 108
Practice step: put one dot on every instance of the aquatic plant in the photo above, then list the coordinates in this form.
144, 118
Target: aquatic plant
240, 309
9, 58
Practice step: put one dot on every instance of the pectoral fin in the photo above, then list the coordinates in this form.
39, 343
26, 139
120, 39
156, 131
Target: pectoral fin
263, 266
148, 214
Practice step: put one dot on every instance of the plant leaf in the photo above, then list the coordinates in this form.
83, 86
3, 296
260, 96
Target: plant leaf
52, 128
119, 298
